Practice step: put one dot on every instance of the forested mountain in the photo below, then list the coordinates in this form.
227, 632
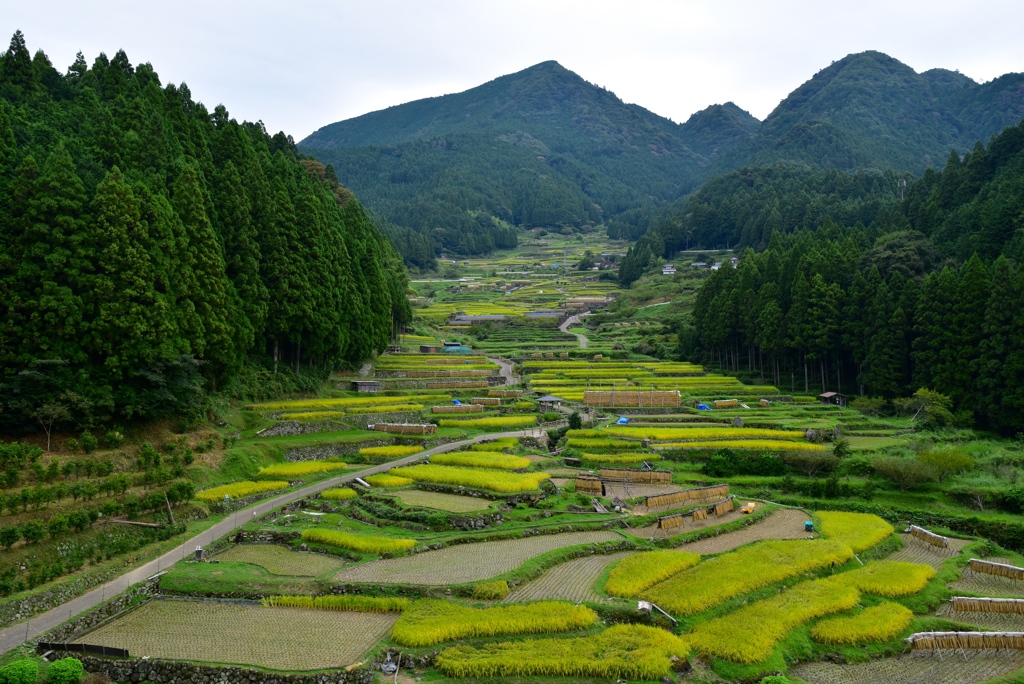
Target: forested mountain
544, 148
930, 294
148, 247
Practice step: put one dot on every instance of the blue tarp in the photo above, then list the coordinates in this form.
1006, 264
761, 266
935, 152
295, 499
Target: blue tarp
456, 402
703, 407
622, 420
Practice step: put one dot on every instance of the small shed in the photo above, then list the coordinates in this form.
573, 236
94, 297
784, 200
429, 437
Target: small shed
668, 269
832, 398
549, 401
429, 349
370, 386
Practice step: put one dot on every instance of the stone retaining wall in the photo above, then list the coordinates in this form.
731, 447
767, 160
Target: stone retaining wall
67, 632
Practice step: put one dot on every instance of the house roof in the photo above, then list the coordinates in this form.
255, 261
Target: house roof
829, 395
549, 399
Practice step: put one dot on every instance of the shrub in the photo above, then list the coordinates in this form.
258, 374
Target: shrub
428, 622
394, 450
747, 445
495, 422
907, 473
494, 480
703, 433
113, 439
65, 671
19, 672
239, 490
491, 591
312, 416
619, 652
810, 463
860, 531
776, 679
625, 457
878, 623
340, 494
89, 442
72, 445
728, 463
481, 459
360, 604
385, 480
360, 543
641, 571
280, 470
945, 462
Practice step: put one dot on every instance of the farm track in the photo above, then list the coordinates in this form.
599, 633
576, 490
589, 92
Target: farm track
279, 560
917, 668
569, 322
971, 582
466, 562
277, 638
787, 523
572, 581
504, 369
19, 633
916, 551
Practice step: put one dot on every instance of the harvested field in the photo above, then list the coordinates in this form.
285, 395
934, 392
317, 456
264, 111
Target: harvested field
689, 525
275, 638
1000, 622
573, 581
916, 551
634, 490
989, 585
466, 562
925, 668
443, 502
783, 524
281, 561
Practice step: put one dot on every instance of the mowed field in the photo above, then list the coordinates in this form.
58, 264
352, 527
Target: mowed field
281, 561
572, 581
443, 502
466, 562
1000, 622
924, 668
980, 584
785, 524
239, 634
916, 551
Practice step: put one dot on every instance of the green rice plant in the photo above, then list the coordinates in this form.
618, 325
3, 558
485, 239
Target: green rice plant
343, 402
348, 602
719, 579
300, 469
638, 572
392, 451
386, 480
860, 531
313, 416
481, 459
387, 408
428, 622
625, 457
891, 579
490, 591
877, 623
340, 494
587, 443
494, 422
750, 634
356, 542
494, 480
495, 445
703, 433
620, 652
239, 490
746, 444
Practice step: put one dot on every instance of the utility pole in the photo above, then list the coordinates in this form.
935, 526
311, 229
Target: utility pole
902, 185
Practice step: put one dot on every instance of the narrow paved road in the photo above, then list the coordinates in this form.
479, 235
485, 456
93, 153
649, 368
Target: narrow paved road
569, 322
505, 370
16, 635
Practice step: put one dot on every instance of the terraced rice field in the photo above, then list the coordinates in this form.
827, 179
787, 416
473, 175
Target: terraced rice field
687, 526
442, 502
278, 560
626, 490
1001, 622
783, 524
916, 551
467, 562
573, 581
989, 585
275, 638
923, 668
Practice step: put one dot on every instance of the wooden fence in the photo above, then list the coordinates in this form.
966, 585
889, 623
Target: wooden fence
589, 485
670, 521
923, 641
997, 569
461, 408
638, 398
404, 428
699, 514
928, 537
627, 475
970, 604
487, 401
687, 495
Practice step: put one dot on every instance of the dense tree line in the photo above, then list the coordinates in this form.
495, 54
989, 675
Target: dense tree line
929, 295
148, 247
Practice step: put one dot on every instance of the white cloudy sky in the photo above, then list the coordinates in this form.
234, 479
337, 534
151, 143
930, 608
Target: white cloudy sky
302, 64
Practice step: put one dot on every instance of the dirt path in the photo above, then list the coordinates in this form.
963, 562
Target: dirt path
568, 323
17, 634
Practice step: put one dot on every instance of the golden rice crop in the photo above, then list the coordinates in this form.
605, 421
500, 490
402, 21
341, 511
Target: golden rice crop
702, 433
860, 531
299, 469
495, 480
481, 459
641, 571
307, 416
750, 634
239, 490
891, 579
387, 408
490, 591
385, 480
749, 444
343, 402
588, 443
717, 580
877, 623
428, 622
393, 450
340, 494
624, 457
495, 445
619, 652
359, 604
494, 422
357, 542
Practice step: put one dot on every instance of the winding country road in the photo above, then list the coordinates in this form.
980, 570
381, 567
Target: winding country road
505, 370
15, 635
568, 323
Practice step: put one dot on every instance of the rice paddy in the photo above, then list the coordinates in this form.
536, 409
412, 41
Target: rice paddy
280, 560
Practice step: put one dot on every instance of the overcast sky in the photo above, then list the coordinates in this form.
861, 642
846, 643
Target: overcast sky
300, 65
